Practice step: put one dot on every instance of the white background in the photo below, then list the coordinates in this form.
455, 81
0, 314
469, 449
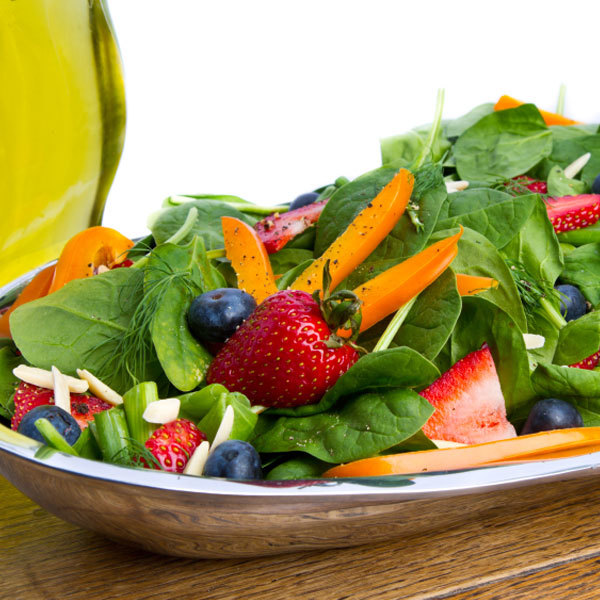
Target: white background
266, 99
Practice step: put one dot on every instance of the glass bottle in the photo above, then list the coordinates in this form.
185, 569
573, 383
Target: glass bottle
62, 125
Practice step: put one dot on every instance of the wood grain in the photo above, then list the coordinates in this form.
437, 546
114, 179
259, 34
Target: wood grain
545, 552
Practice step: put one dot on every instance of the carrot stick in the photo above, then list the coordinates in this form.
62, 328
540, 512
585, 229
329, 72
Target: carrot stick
469, 285
35, 289
550, 118
387, 292
88, 250
362, 236
248, 258
536, 446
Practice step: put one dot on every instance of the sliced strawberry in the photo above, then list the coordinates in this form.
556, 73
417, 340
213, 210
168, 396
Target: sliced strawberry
126, 263
573, 212
83, 408
523, 183
589, 363
469, 404
277, 230
28, 397
172, 444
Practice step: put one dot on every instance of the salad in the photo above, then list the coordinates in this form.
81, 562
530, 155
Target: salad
439, 312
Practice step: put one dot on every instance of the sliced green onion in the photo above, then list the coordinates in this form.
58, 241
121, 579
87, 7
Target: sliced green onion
394, 325
53, 438
112, 432
135, 402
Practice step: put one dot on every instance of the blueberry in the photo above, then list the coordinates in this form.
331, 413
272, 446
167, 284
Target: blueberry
551, 413
304, 200
214, 316
572, 302
596, 185
63, 422
235, 460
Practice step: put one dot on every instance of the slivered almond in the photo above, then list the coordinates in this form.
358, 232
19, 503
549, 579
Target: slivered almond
62, 397
576, 166
100, 389
195, 465
162, 411
456, 186
224, 430
44, 379
533, 341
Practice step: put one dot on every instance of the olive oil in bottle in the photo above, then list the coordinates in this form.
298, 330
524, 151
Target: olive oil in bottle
62, 124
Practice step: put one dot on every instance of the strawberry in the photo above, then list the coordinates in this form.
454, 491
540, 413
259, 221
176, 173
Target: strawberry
126, 263
469, 403
573, 212
279, 355
83, 408
524, 184
589, 363
28, 396
277, 230
172, 444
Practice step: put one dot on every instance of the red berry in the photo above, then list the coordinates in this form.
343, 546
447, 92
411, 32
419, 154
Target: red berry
519, 184
27, 397
589, 363
573, 212
83, 408
172, 444
468, 401
277, 230
278, 356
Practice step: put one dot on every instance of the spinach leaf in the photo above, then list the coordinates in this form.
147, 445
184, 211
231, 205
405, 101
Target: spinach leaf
402, 150
536, 246
81, 326
299, 467
364, 426
431, 320
578, 339
391, 368
207, 225
482, 322
503, 144
578, 386
567, 132
8, 382
244, 418
478, 256
288, 258
582, 269
493, 213
456, 127
290, 276
561, 185
175, 275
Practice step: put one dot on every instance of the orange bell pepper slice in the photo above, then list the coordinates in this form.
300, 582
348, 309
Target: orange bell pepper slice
362, 236
393, 288
469, 285
88, 250
249, 259
35, 289
536, 446
549, 118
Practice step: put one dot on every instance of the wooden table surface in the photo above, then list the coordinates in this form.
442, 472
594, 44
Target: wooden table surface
551, 552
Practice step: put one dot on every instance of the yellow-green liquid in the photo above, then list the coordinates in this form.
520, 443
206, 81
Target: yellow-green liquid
62, 120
